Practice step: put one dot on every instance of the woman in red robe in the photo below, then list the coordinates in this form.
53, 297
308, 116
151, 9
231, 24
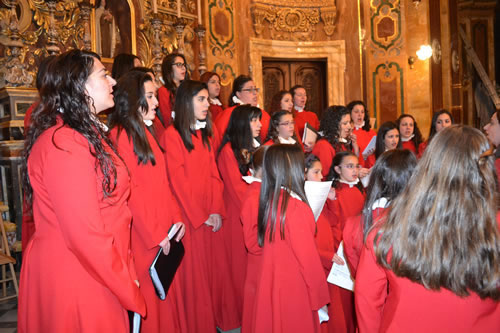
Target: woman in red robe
78, 273
440, 120
289, 260
153, 207
244, 92
299, 98
336, 136
432, 265
233, 160
410, 135
282, 129
173, 72
362, 127
212, 80
197, 188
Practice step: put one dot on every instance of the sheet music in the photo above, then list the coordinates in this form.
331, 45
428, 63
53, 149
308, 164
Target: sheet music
340, 275
370, 149
317, 193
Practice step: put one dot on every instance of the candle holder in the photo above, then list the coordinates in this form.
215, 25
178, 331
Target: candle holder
200, 32
85, 9
156, 50
52, 34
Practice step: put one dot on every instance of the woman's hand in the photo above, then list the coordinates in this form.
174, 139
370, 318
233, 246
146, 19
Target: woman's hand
363, 172
338, 260
215, 221
331, 194
181, 231
165, 245
354, 142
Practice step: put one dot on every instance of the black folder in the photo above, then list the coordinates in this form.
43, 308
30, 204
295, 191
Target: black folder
163, 268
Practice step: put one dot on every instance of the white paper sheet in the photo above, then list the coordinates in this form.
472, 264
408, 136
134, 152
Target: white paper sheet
340, 275
323, 315
370, 149
317, 193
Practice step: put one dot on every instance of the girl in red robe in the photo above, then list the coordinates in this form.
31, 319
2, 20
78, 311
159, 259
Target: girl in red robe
212, 80
336, 136
78, 273
410, 135
299, 97
151, 202
244, 92
349, 200
432, 265
197, 188
233, 160
387, 139
362, 127
281, 129
173, 72
291, 286
283, 101
440, 120
388, 178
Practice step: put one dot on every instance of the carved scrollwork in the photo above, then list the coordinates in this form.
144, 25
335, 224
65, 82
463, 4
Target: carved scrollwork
329, 15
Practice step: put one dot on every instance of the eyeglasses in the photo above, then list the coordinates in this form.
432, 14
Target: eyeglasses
252, 90
287, 123
351, 166
179, 64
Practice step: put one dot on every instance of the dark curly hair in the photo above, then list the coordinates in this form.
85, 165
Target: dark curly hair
63, 95
122, 63
274, 123
417, 139
366, 119
276, 101
330, 125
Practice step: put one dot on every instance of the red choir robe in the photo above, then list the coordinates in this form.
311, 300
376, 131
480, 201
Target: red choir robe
215, 110
421, 148
197, 188
222, 121
254, 252
410, 145
154, 211
78, 273
353, 238
235, 189
286, 265
497, 167
348, 202
363, 139
303, 117
166, 100
325, 152
27, 225
388, 303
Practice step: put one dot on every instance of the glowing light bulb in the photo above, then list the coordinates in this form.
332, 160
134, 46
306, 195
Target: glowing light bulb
425, 52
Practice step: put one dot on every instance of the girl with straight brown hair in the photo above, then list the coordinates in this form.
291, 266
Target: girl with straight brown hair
439, 248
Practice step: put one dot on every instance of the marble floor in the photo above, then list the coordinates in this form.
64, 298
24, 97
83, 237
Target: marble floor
8, 316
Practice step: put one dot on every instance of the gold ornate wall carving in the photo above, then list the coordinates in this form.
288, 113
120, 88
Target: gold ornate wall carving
297, 22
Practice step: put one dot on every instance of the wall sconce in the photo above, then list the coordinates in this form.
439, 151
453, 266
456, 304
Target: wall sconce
424, 53
416, 3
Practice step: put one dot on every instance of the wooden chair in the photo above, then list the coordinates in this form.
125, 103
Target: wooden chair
6, 259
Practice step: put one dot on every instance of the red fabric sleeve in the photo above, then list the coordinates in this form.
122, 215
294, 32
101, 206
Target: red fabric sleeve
370, 289
265, 120
230, 173
165, 104
353, 242
80, 220
325, 152
304, 248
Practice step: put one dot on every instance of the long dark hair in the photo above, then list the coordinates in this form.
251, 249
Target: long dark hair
122, 63
330, 126
63, 95
382, 131
367, 126
130, 102
276, 101
238, 84
334, 176
274, 123
388, 178
283, 173
417, 139
184, 114
435, 116
239, 135
442, 230
167, 72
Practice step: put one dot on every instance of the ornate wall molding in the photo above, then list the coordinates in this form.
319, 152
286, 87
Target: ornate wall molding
333, 51
297, 22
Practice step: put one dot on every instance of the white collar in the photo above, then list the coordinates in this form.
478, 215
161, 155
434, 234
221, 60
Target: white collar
358, 127
298, 108
351, 184
292, 193
148, 122
251, 179
342, 140
256, 143
236, 100
199, 125
215, 101
380, 203
289, 141
407, 139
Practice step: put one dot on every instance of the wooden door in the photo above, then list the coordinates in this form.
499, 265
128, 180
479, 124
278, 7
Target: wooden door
284, 74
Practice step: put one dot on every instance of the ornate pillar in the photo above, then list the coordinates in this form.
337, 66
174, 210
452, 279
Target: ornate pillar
85, 8
156, 49
52, 34
200, 32
179, 29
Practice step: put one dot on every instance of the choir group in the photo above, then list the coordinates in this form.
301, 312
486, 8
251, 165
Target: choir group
417, 219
